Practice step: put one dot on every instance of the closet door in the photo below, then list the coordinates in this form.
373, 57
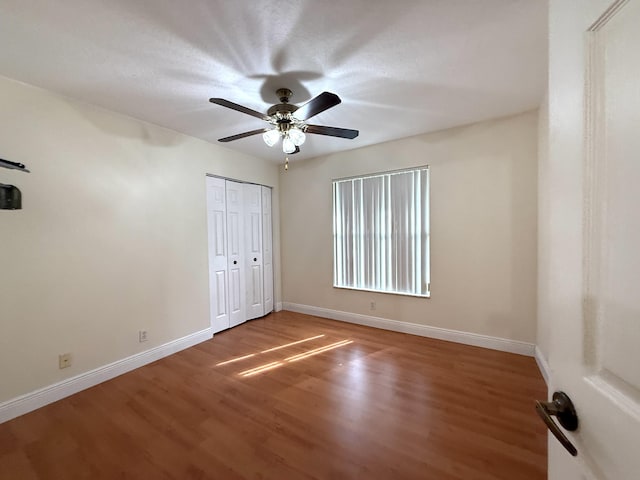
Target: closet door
236, 255
267, 251
253, 250
217, 233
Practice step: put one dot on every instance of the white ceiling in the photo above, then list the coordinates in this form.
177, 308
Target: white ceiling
401, 67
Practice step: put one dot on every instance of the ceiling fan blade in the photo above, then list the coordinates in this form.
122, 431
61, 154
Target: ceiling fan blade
332, 131
239, 108
317, 105
242, 135
297, 150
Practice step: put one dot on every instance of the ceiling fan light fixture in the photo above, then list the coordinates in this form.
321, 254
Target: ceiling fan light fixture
297, 136
271, 137
287, 145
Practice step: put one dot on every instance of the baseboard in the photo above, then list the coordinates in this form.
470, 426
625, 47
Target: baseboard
52, 393
543, 365
477, 340
278, 307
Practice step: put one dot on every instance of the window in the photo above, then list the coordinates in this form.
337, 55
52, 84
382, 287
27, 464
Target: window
381, 232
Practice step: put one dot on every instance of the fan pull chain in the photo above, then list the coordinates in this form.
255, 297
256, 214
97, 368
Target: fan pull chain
286, 164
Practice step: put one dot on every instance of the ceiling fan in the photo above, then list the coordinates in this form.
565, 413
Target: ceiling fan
288, 121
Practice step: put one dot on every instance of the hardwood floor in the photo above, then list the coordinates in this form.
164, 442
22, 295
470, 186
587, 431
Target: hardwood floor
384, 406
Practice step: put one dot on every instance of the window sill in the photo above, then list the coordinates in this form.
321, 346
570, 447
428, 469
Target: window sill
427, 295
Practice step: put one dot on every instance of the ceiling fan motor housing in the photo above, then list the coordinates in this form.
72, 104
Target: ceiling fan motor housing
282, 108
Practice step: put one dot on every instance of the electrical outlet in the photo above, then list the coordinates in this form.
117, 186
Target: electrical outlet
64, 360
373, 305
142, 336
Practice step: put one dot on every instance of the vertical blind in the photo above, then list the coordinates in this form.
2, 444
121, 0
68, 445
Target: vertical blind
381, 232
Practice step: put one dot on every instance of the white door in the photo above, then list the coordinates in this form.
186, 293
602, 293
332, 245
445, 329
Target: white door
217, 234
235, 249
253, 250
267, 251
594, 176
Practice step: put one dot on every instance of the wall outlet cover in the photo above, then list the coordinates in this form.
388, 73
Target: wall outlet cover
64, 360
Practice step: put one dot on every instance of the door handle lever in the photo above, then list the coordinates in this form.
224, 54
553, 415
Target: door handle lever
560, 406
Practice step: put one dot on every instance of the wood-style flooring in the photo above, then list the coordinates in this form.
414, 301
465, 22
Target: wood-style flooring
371, 405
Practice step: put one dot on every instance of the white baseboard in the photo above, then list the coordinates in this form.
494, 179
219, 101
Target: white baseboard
485, 341
278, 307
52, 393
543, 365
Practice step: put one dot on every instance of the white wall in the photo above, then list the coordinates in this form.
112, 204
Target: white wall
483, 228
112, 237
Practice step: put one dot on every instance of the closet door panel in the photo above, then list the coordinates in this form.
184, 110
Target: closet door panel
254, 292
267, 251
235, 242
235, 295
217, 235
253, 250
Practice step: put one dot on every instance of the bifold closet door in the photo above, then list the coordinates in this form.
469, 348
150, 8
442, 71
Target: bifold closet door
236, 252
253, 250
218, 264
240, 252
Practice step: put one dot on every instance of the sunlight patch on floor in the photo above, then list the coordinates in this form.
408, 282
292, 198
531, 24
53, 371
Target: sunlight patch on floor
294, 358
243, 357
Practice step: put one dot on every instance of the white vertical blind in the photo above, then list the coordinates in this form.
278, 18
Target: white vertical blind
381, 232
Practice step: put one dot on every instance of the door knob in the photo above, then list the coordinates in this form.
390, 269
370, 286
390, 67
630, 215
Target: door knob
561, 407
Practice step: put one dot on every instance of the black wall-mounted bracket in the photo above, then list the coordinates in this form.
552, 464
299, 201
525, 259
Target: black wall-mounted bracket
10, 196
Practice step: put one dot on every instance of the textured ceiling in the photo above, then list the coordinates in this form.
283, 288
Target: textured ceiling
401, 67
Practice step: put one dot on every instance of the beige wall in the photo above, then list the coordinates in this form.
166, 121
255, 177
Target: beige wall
483, 228
544, 212
112, 237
